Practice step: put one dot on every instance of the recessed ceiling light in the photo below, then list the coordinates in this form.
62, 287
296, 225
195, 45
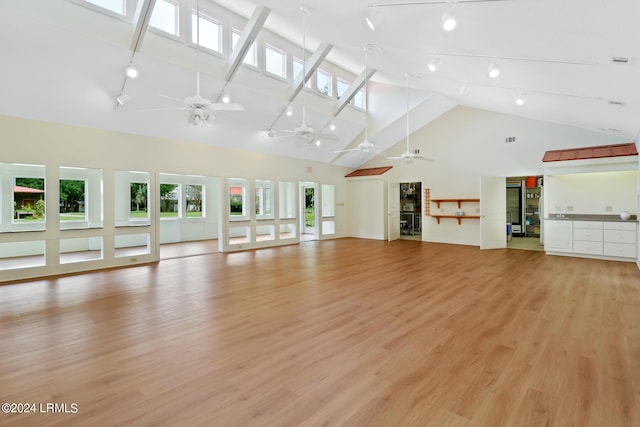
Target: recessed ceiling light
448, 20
434, 64
494, 69
131, 72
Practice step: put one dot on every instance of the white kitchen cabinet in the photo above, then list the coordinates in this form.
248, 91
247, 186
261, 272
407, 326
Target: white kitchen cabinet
620, 239
587, 237
558, 236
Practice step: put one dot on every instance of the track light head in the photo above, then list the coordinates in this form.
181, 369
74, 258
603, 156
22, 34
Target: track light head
521, 98
448, 20
122, 99
434, 64
131, 72
226, 98
374, 18
494, 69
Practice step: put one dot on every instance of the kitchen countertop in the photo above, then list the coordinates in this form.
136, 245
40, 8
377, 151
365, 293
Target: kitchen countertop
591, 217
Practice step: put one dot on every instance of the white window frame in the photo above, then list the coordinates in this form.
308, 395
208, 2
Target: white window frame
176, 23
340, 80
246, 202
253, 50
329, 75
264, 192
210, 19
283, 61
202, 202
127, 8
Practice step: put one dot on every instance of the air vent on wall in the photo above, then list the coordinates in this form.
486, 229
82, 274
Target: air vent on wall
510, 139
620, 60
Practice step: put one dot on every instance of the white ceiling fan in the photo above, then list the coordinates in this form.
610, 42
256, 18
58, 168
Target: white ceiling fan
200, 108
366, 145
409, 155
303, 131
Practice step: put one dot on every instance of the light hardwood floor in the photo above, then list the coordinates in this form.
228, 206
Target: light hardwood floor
343, 332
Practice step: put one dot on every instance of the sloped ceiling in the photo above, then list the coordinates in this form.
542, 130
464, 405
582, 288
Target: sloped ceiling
63, 62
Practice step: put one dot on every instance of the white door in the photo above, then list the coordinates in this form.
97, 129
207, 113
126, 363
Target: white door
493, 212
393, 211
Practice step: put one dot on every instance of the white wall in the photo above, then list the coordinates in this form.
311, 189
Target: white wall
466, 144
366, 207
55, 145
592, 193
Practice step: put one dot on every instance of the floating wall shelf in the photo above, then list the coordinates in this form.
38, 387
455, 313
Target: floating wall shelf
459, 218
459, 202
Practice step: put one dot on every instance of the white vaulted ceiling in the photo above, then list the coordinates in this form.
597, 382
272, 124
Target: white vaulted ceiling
63, 62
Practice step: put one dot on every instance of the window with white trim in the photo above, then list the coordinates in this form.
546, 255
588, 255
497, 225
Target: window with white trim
169, 201
358, 99
275, 61
165, 16
251, 58
323, 82
238, 201
116, 6
297, 69
264, 199
341, 87
194, 196
210, 32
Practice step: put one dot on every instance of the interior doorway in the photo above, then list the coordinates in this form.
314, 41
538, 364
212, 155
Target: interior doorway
410, 208
525, 213
308, 217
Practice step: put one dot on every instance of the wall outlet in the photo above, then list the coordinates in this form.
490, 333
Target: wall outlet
134, 259
608, 208
569, 208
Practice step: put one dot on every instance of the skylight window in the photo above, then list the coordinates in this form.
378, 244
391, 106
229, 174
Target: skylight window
275, 61
116, 6
251, 58
210, 31
165, 16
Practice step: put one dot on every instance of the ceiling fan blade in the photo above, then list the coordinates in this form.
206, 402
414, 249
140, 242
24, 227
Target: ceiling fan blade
220, 106
395, 158
424, 159
347, 150
181, 101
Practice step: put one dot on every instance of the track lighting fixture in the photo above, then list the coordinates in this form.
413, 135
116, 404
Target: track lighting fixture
289, 112
448, 20
494, 69
226, 98
131, 72
332, 126
374, 18
434, 64
521, 98
464, 89
122, 99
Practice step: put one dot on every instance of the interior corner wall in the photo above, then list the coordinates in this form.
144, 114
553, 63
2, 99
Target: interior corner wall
468, 143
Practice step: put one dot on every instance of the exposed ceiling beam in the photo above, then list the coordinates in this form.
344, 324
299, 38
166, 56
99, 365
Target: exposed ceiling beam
141, 23
353, 89
253, 27
314, 62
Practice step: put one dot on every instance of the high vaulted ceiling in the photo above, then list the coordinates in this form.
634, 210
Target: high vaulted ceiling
63, 62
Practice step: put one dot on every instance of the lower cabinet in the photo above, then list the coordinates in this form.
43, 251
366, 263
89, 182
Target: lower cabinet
558, 236
620, 239
595, 238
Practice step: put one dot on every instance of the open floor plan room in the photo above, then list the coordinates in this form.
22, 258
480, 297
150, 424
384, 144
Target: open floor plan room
341, 332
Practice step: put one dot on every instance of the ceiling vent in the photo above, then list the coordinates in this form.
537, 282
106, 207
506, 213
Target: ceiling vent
620, 60
616, 103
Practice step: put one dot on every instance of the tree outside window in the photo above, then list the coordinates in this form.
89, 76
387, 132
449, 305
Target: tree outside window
169, 201
194, 197
72, 200
139, 200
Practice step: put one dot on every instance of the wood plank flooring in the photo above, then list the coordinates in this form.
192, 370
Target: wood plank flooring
343, 332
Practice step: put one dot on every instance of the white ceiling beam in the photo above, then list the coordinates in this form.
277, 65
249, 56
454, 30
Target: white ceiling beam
314, 62
141, 23
249, 35
353, 89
